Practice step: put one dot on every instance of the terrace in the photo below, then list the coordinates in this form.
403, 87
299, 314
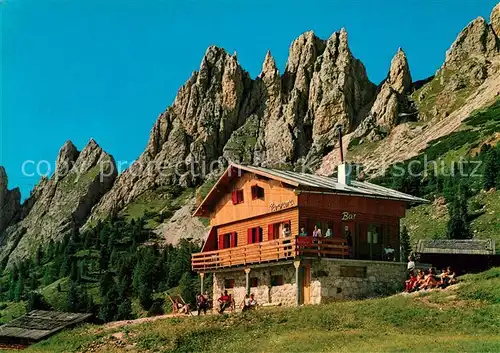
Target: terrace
269, 251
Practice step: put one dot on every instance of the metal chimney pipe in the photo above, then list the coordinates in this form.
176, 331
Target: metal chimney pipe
340, 144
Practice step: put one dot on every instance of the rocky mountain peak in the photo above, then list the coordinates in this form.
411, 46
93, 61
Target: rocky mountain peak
476, 39
495, 19
9, 201
269, 68
399, 74
65, 159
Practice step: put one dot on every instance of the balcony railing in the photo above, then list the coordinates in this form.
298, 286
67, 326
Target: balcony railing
272, 250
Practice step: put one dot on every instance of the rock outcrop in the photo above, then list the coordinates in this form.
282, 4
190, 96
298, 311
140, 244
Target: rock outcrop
391, 105
472, 58
495, 20
9, 201
62, 203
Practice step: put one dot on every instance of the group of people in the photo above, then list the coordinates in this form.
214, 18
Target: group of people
226, 301
428, 279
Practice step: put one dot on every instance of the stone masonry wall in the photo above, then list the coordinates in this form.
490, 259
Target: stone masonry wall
264, 292
335, 279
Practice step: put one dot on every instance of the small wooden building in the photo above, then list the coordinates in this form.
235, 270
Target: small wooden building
470, 255
252, 209
38, 325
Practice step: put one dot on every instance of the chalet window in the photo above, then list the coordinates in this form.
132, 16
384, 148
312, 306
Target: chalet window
254, 282
254, 235
353, 271
275, 231
229, 240
257, 192
229, 283
237, 196
277, 280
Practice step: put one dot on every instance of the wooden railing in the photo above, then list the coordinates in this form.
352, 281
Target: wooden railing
271, 250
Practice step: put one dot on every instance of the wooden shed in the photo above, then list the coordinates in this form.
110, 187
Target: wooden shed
470, 255
38, 325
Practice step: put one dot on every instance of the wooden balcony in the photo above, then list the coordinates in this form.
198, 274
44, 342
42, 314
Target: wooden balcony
273, 250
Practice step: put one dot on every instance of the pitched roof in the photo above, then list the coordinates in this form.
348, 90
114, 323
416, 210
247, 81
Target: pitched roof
303, 181
452, 246
39, 324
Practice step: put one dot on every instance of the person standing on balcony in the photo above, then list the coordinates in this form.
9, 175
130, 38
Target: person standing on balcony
285, 234
329, 232
316, 236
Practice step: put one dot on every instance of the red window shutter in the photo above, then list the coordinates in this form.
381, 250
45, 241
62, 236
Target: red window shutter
221, 241
249, 234
260, 233
270, 231
234, 197
234, 240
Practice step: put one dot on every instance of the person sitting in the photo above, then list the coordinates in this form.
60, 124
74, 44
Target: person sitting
329, 232
180, 308
420, 280
303, 232
224, 302
389, 253
430, 280
410, 283
202, 303
250, 302
451, 276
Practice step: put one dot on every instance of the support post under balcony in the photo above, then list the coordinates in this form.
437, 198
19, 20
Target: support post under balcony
247, 280
202, 285
296, 264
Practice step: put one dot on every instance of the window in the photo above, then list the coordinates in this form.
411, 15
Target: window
228, 240
229, 283
273, 231
254, 235
257, 192
277, 280
237, 196
353, 271
254, 282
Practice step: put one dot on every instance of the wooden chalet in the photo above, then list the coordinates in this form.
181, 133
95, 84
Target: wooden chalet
249, 206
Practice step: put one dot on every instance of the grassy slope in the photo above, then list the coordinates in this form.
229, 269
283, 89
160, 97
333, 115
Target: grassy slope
462, 318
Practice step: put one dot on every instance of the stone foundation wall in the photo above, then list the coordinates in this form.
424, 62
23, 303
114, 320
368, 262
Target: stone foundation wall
264, 292
333, 279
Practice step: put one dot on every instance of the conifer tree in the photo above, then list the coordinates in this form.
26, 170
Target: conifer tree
405, 244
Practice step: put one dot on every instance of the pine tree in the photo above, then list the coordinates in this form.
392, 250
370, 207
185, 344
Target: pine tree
405, 244
490, 170
109, 308
73, 298
73, 275
36, 301
124, 311
186, 288
19, 291
458, 224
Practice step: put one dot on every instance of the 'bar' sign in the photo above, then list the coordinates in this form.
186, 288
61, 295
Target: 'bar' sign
347, 216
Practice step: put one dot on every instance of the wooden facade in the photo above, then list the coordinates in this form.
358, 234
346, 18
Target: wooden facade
249, 209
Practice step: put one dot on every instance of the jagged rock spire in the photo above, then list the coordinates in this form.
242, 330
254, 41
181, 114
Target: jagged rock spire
9, 201
399, 74
495, 19
65, 159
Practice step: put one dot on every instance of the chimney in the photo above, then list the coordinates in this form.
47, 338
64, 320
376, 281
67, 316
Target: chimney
343, 169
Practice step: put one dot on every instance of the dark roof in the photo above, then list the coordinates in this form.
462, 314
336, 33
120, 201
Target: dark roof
466, 247
305, 181
39, 324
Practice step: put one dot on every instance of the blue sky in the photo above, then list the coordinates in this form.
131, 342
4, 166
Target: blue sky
104, 69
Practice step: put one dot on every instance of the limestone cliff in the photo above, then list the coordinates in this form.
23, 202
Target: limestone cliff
9, 201
62, 203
